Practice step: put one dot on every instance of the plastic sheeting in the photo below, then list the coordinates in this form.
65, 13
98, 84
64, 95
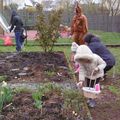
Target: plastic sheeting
3, 23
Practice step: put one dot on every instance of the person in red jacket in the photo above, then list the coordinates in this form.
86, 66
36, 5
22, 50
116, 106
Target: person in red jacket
79, 26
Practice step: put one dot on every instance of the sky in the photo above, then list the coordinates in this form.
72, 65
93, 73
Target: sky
22, 3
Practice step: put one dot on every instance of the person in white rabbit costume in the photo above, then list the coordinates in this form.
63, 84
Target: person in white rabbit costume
91, 68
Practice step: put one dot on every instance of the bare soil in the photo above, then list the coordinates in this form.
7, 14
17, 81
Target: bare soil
34, 67
22, 108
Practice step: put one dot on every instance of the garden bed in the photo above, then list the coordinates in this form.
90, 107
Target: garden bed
34, 70
49, 102
34, 67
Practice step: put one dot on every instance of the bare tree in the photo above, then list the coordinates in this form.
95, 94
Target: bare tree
67, 8
90, 6
113, 6
102, 6
88, 1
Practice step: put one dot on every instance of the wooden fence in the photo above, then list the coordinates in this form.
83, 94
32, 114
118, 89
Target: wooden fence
102, 22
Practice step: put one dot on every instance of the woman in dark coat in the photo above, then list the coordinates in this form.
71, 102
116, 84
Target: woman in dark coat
17, 25
94, 43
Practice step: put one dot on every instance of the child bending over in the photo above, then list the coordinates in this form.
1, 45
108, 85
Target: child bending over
91, 68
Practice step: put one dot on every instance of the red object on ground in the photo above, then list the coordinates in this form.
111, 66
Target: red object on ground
8, 41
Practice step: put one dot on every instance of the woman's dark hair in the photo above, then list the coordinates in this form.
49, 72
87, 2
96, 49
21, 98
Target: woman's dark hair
88, 37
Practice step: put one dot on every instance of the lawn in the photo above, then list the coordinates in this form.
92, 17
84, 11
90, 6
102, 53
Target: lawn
106, 37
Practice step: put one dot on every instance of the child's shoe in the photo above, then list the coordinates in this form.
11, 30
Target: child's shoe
92, 103
88, 101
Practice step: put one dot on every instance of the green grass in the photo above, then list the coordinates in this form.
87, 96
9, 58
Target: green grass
114, 89
1, 41
64, 40
108, 37
116, 53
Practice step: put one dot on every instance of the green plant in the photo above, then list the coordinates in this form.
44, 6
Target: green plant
37, 96
5, 95
50, 73
3, 78
47, 28
21, 89
114, 90
42, 90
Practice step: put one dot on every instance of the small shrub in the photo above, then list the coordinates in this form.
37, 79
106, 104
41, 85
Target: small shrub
5, 95
47, 28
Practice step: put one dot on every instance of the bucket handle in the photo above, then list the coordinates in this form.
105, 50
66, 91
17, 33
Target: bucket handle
91, 79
